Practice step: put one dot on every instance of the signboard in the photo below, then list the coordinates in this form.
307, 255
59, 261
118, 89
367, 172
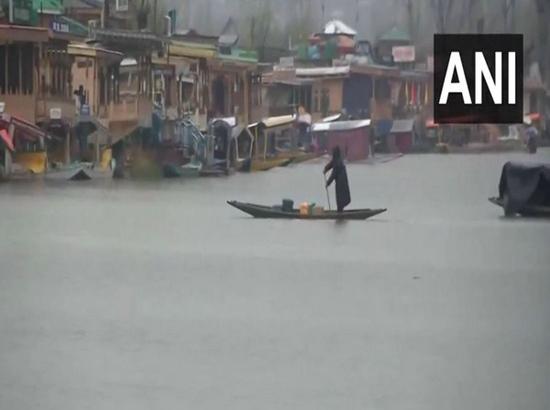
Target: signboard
121, 5
403, 54
286, 62
22, 11
55, 113
59, 26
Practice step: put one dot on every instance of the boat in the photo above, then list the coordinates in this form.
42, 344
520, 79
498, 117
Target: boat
74, 172
524, 189
261, 211
528, 210
265, 136
306, 156
267, 164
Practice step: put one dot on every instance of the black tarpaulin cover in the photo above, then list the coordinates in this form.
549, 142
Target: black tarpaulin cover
525, 184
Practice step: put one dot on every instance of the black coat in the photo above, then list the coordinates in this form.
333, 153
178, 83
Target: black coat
340, 175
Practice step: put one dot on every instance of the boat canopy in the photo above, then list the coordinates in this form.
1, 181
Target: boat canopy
340, 125
22, 128
229, 121
525, 184
273, 122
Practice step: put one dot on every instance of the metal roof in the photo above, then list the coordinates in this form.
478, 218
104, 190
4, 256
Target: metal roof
338, 27
278, 121
230, 121
332, 118
322, 71
229, 36
340, 125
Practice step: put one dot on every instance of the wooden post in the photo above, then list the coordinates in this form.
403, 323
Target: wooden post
67, 146
97, 156
5, 63
246, 98
19, 57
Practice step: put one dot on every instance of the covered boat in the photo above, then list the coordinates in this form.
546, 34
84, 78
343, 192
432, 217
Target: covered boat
524, 189
261, 211
275, 141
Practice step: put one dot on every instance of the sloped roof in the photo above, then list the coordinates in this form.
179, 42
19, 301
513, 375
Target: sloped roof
272, 122
240, 55
75, 27
48, 6
229, 35
88, 4
340, 125
338, 27
322, 71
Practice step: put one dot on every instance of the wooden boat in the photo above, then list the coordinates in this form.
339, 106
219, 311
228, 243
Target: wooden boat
267, 164
528, 210
300, 157
260, 211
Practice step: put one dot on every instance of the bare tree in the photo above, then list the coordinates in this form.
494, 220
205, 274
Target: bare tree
542, 41
442, 10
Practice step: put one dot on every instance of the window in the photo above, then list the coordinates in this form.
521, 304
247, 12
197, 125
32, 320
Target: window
121, 5
316, 102
101, 87
168, 91
17, 65
13, 69
325, 101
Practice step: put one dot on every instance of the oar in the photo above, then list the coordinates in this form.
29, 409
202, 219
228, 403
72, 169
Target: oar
326, 189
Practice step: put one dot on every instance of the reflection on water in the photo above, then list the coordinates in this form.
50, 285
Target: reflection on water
140, 295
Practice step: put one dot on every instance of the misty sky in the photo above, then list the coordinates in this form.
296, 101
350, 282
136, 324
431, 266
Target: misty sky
369, 17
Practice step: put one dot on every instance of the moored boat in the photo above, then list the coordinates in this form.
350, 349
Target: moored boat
267, 164
524, 189
528, 210
261, 211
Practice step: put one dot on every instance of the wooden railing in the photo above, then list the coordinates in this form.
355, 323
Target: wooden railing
129, 109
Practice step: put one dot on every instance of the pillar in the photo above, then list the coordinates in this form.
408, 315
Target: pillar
246, 98
67, 146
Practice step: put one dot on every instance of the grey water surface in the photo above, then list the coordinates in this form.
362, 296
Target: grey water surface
157, 295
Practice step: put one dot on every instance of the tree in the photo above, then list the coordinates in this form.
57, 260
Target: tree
442, 10
260, 29
542, 41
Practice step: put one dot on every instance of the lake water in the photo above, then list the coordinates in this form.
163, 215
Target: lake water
139, 295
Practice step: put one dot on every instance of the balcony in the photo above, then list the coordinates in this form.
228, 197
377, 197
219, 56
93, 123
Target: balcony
124, 116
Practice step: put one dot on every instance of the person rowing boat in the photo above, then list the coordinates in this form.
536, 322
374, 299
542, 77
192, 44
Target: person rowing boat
340, 176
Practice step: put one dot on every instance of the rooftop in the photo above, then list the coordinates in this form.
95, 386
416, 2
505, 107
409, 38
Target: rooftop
340, 125
335, 27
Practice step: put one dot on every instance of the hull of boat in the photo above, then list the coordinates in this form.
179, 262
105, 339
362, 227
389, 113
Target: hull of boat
260, 211
533, 211
266, 165
304, 157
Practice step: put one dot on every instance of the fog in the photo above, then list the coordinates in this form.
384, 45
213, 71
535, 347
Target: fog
298, 18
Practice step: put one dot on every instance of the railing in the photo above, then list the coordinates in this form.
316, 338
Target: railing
130, 108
